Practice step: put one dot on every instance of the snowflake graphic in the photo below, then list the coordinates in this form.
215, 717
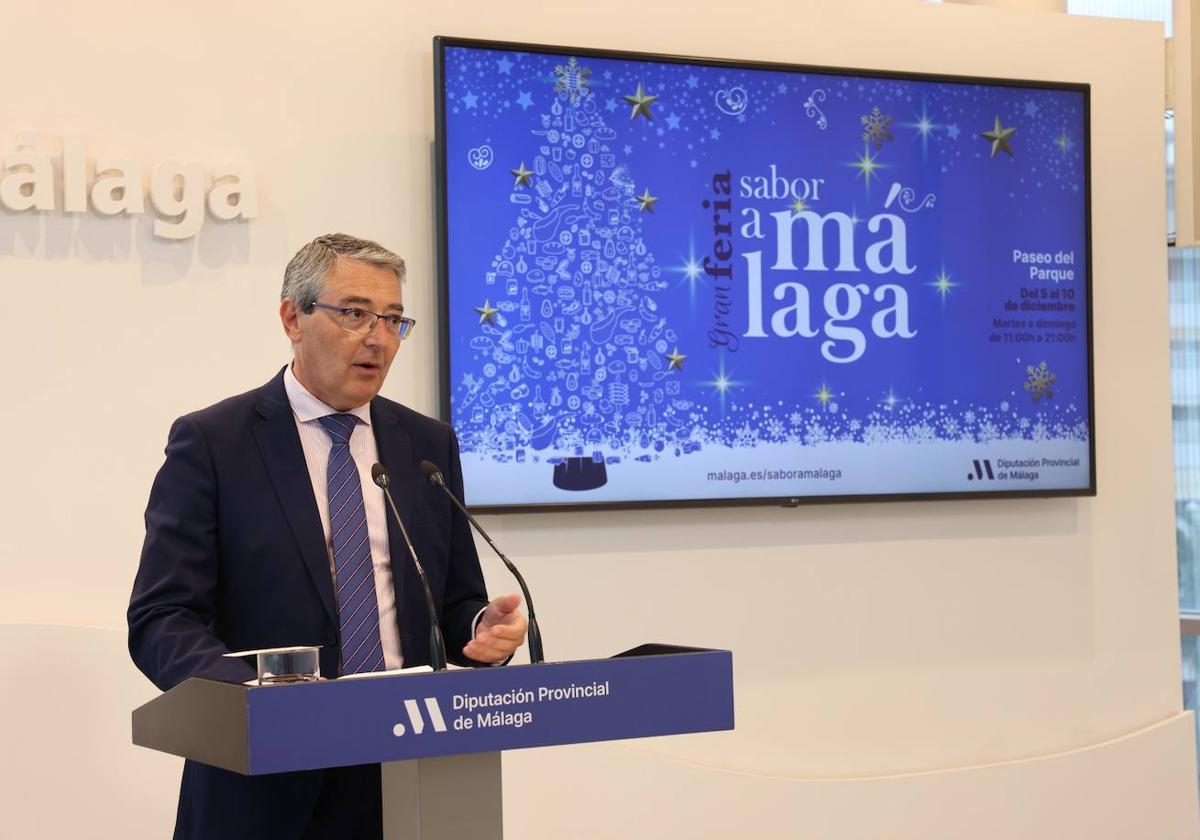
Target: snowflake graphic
747, 435
815, 433
572, 79
1039, 381
922, 433
876, 434
775, 429
877, 128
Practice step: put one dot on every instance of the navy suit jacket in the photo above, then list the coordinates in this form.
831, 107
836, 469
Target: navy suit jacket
235, 558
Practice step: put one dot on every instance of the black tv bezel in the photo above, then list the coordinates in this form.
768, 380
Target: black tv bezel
442, 42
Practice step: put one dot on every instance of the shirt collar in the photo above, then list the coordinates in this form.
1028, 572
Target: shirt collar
307, 408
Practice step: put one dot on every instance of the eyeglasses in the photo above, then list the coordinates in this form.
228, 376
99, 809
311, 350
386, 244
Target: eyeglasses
361, 321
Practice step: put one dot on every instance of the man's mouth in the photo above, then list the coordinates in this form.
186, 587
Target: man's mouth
365, 366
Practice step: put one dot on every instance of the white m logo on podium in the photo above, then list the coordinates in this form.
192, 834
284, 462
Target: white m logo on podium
417, 721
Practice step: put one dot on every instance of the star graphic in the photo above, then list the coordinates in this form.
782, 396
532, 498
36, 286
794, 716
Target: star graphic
611, 104
505, 66
1031, 108
798, 206
646, 201
522, 175
924, 126
487, 312
691, 269
676, 360
721, 382
640, 102
866, 165
952, 131
672, 121
1063, 142
469, 100
714, 134
627, 149
525, 99
889, 402
998, 137
824, 395
692, 81
943, 284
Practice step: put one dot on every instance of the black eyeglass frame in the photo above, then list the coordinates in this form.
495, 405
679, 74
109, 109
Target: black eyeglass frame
398, 326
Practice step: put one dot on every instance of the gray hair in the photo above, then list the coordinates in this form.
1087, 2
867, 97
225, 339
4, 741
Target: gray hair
304, 277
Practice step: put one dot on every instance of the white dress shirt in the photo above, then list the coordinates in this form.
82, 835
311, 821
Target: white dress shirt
308, 410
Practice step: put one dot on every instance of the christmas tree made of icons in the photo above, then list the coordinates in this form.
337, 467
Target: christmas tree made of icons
578, 358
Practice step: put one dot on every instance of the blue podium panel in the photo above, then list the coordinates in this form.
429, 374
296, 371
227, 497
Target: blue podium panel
651, 690
396, 718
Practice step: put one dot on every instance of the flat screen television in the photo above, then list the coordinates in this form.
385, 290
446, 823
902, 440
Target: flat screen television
675, 280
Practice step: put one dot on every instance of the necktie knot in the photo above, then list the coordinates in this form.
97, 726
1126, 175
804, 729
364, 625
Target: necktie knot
339, 427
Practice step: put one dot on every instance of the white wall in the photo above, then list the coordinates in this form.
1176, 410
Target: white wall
933, 670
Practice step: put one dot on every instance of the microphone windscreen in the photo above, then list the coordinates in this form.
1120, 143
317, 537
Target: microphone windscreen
379, 475
431, 472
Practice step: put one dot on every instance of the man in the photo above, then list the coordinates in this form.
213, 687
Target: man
264, 529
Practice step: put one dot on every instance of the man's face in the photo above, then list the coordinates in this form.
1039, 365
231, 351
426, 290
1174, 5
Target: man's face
343, 369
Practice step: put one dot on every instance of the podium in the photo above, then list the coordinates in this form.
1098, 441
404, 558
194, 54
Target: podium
436, 734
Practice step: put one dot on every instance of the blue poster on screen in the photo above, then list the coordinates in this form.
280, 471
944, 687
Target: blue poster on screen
673, 281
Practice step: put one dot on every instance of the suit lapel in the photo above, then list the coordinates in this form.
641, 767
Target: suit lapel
395, 453
279, 443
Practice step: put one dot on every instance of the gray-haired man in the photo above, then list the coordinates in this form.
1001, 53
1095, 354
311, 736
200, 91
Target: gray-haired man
263, 529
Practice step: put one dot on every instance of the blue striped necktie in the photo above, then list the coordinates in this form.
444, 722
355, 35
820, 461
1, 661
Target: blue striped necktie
362, 649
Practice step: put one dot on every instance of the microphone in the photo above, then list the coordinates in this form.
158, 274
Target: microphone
437, 645
434, 475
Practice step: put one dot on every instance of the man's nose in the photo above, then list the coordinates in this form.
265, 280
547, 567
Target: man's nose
377, 335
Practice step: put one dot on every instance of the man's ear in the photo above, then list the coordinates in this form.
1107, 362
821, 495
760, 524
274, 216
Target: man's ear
289, 314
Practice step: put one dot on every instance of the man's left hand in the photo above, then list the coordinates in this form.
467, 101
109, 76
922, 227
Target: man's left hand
500, 631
